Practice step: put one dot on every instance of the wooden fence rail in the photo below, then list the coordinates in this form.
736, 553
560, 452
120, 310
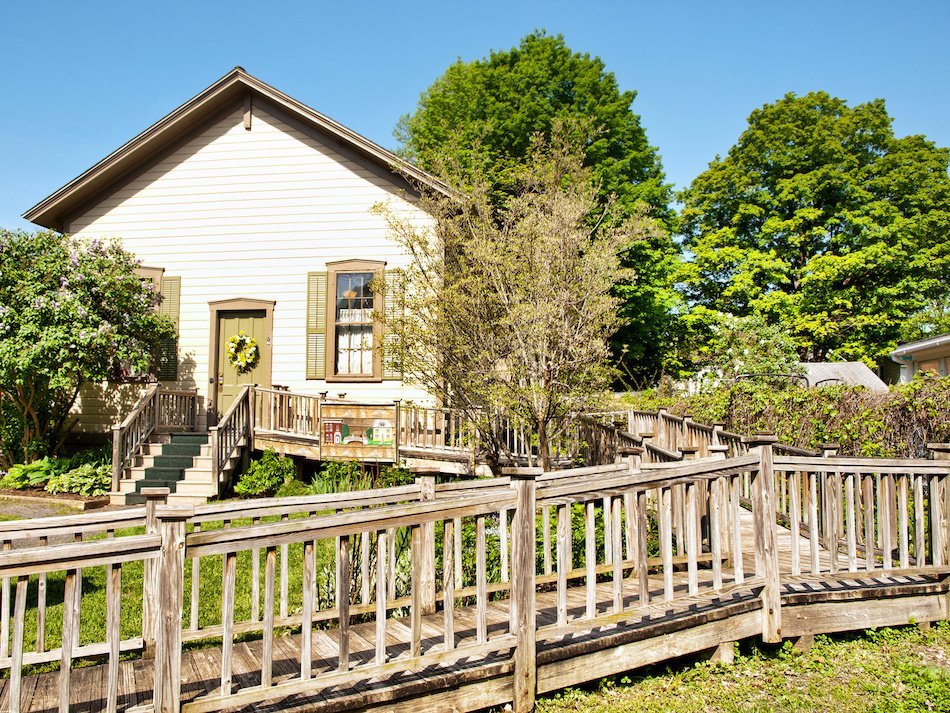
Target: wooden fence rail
400, 580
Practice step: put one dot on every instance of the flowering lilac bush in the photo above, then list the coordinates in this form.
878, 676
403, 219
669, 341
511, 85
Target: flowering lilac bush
69, 311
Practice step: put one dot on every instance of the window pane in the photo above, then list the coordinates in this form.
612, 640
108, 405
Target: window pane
354, 297
354, 349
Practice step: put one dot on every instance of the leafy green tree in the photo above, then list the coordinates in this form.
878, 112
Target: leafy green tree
69, 312
822, 221
510, 307
484, 114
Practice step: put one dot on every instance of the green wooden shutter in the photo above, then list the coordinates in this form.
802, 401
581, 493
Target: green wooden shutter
392, 352
168, 348
316, 325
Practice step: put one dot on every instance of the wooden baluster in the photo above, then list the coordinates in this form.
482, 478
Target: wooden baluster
457, 544
833, 491
113, 634
869, 522
563, 544
364, 568
617, 555
546, 537
813, 533
70, 622
936, 521
381, 573
5, 605
41, 606
481, 584
267, 652
503, 544
415, 611
738, 566
195, 586
306, 624
920, 549
666, 540
884, 518
16, 665
692, 539
851, 524
448, 585
343, 576
391, 562
795, 521
642, 549
629, 526
715, 538
608, 532
902, 524
679, 520
256, 579
228, 576
284, 572
590, 558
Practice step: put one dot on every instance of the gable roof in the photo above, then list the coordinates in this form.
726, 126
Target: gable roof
909, 349
52, 210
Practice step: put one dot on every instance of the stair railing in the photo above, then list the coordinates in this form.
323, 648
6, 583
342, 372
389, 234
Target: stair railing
158, 409
130, 436
233, 430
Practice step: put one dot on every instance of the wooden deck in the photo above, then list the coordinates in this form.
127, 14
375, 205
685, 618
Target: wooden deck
568, 654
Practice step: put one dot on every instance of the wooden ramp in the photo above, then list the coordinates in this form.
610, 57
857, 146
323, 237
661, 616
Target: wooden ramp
466, 595
639, 637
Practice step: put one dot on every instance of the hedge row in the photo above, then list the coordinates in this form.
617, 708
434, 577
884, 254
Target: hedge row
897, 423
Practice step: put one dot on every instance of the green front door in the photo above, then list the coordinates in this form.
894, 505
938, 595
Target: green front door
230, 381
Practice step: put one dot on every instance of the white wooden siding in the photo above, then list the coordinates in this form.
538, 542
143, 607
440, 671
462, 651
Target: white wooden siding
238, 213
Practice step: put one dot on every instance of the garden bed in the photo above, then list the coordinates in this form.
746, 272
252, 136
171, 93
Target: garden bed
68, 500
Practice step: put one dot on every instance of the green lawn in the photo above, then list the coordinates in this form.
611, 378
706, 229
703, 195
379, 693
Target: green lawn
901, 669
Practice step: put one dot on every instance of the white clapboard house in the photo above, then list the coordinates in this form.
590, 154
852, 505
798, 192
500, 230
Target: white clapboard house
250, 211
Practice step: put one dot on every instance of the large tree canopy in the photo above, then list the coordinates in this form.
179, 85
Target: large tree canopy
822, 221
485, 115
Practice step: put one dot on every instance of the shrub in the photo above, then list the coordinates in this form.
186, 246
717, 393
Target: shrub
87, 479
265, 475
35, 474
293, 488
898, 423
341, 476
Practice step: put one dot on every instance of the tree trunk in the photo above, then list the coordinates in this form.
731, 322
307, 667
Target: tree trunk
544, 447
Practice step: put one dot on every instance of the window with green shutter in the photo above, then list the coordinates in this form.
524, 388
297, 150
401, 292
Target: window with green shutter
167, 366
317, 325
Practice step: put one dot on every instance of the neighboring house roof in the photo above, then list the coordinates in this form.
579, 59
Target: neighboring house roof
855, 373
906, 350
52, 211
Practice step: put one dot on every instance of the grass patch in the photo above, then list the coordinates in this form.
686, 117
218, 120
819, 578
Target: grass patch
899, 669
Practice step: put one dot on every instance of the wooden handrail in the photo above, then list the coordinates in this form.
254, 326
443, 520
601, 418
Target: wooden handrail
225, 438
157, 408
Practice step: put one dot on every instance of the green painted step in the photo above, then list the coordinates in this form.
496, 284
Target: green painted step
181, 449
190, 438
170, 474
178, 462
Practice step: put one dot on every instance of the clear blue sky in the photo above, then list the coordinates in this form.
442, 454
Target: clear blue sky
81, 78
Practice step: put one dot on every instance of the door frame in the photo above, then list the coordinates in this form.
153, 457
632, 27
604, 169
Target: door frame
234, 304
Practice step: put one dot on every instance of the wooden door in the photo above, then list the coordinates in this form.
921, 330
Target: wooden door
229, 380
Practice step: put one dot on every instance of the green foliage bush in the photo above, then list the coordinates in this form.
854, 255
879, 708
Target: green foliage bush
35, 474
265, 475
898, 423
293, 488
88, 479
